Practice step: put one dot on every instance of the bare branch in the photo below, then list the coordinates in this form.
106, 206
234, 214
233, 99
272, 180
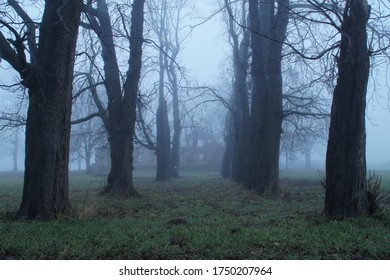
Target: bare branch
85, 119
8, 54
11, 120
31, 29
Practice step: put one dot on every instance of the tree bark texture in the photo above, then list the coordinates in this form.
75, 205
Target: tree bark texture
346, 189
268, 31
45, 190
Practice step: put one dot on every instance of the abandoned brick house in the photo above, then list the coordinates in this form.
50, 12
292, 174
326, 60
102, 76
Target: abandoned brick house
199, 151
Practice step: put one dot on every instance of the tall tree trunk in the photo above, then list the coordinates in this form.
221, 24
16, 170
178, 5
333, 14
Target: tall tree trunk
16, 150
287, 159
346, 189
175, 153
240, 165
237, 148
88, 154
120, 120
166, 19
227, 161
45, 190
268, 32
308, 156
163, 142
163, 145
120, 179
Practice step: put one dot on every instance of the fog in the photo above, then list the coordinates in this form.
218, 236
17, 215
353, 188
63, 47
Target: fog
378, 137
205, 50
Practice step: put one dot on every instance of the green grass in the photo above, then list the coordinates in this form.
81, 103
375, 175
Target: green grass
198, 216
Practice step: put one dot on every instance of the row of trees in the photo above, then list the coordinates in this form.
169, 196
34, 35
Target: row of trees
268, 39
104, 87
298, 108
278, 34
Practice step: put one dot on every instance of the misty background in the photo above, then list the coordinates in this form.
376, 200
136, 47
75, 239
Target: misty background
203, 56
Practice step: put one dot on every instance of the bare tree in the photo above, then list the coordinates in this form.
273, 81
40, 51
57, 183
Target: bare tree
159, 13
352, 38
238, 140
346, 189
268, 32
48, 77
87, 134
15, 151
12, 146
120, 115
167, 20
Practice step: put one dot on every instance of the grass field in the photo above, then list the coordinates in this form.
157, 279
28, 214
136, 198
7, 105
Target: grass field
198, 216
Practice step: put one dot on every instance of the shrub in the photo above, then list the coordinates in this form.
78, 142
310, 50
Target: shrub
375, 194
